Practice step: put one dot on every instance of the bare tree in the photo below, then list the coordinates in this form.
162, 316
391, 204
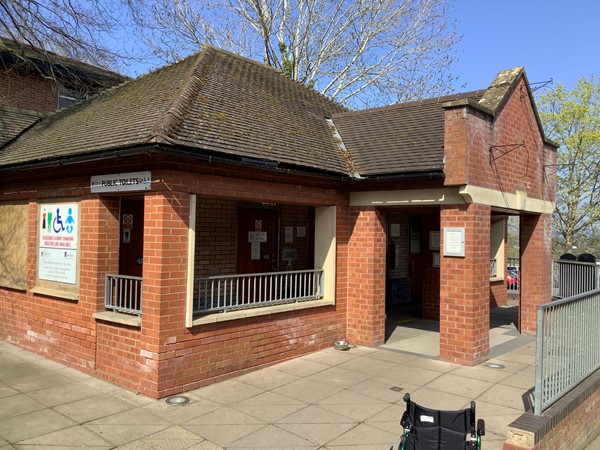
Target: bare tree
572, 119
360, 52
70, 28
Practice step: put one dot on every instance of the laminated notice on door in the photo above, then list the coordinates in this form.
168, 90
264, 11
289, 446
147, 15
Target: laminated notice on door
255, 250
257, 236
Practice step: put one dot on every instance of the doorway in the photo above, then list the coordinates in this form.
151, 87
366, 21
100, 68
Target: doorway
131, 239
257, 240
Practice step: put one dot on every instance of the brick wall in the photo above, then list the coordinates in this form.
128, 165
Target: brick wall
464, 287
366, 271
163, 356
570, 423
536, 267
27, 91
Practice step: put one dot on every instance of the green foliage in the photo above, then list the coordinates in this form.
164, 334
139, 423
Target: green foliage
572, 120
287, 66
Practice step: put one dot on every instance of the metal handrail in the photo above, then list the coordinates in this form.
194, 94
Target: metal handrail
567, 349
493, 268
123, 293
574, 277
235, 292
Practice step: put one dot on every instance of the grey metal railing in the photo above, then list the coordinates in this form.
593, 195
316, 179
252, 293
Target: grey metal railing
123, 294
567, 349
493, 268
234, 292
513, 263
573, 278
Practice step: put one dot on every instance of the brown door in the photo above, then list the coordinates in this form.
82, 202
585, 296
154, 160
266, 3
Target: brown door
131, 248
257, 240
416, 261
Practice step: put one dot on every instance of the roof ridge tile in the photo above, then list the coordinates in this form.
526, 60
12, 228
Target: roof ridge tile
170, 121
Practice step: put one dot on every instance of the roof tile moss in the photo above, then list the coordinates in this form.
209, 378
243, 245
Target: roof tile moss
212, 101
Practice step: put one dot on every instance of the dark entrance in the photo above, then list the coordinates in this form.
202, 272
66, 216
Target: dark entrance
131, 247
257, 240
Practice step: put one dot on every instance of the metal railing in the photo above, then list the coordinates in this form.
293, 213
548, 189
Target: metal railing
123, 294
513, 263
493, 268
234, 292
567, 349
573, 278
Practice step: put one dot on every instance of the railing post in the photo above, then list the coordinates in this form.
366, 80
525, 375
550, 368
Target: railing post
539, 362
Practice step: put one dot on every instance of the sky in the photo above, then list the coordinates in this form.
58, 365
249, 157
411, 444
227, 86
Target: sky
552, 39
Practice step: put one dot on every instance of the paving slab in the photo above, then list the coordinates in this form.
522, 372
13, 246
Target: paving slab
174, 438
326, 400
309, 391
76, 436
272, 436
223, 435
93, 408
38, 423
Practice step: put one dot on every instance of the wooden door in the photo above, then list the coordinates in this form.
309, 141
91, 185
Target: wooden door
416, 260
257, 240
131, 247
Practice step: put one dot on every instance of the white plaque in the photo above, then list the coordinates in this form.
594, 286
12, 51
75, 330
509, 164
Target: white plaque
454, 242
289, 235
255, 250
257, 236
58, 265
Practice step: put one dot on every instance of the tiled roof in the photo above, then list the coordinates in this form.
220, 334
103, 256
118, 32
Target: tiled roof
211, 102
70, 72
14, 120
404, 138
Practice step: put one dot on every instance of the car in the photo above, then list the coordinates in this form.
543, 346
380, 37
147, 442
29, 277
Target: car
513, 279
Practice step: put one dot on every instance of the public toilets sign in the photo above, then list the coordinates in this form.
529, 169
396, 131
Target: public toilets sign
58, 231
121, 182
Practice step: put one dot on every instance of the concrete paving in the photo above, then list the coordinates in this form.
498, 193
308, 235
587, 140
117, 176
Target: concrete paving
330, 400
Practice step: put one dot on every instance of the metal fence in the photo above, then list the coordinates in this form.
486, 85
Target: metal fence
233, 292
573, 278
493, 268
123, 294
567, 348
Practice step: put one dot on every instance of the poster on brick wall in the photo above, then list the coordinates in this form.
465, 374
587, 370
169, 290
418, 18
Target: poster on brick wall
58, 227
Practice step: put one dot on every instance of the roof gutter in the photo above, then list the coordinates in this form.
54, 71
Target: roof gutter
157, 148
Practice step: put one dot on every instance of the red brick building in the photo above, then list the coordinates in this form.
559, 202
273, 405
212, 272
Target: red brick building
214, 217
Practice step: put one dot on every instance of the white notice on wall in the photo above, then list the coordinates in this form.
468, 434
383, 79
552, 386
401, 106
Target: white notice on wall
289, 235
301, 232
255, 250
60, 265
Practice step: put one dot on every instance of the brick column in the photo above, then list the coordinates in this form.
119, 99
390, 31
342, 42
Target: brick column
99, 249
166, 217
465, 287
536, 267
366, 277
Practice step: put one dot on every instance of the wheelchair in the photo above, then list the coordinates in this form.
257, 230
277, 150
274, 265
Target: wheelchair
430, 429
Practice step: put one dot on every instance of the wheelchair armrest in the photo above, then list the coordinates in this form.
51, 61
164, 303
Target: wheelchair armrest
481, 427
405, 421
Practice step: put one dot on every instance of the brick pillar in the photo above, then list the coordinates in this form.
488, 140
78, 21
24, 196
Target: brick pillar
99, 249
166, 217
536, 267
366, 277
465, 287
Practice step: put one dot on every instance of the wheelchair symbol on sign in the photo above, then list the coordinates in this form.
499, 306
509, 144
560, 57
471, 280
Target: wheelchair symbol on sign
57, 223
